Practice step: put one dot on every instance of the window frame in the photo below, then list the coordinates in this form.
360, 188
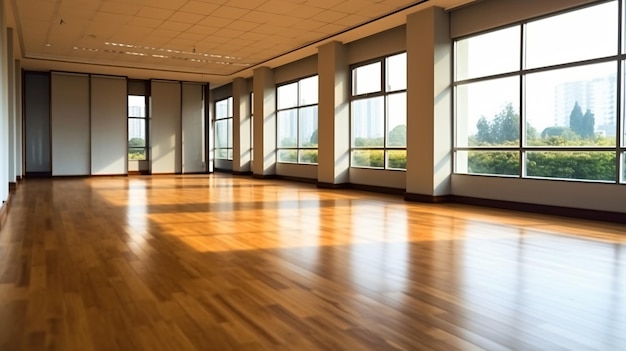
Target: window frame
385, 94
298, 108
522, 148
229, 128
143, 118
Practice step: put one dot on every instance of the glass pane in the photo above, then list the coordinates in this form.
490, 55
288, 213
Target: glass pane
396, 72
368, 127
574, 36
229, 133
136, 132
221, 154
287, 132
624, 167
588, 165
230, 154
287, 95
136, 106
308, 156
288, 156
368, 158
488, 162
308, 127
221, 134
224, 108
136, 153
366, 79
572, 107
396, 120
488, 54
487, 113
623, 132
396, 159
308, 91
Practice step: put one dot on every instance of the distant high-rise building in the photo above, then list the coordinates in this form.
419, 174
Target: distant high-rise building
598, 95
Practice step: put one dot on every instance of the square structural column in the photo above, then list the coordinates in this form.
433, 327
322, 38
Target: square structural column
429, 106
333, 116
264, 89
242, 147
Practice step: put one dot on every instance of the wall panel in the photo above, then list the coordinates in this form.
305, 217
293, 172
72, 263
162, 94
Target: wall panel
193, 141
37, 123
166, 152
109, 140
69, 124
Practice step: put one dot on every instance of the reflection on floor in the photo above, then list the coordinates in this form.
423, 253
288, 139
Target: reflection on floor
231, 263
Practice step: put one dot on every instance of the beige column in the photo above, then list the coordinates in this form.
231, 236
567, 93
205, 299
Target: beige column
241, 127
429, 113
264, 90
333, 116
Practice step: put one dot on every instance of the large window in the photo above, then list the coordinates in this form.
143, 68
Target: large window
540, 99
224, 129
378, 113
137, 145
297, 121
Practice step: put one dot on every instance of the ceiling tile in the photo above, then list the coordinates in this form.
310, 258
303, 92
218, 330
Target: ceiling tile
186, 17
200, 8
229, 33
229, 12
153, 12
352, 20
120, 8
168, 4
192, 36
304, 11
147, 22
214, 21
242, 25
329, 16
279, 7
175, 26
200, 29
308, 24
248, 4
164, 33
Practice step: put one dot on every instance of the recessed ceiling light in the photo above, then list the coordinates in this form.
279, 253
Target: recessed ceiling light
48, 44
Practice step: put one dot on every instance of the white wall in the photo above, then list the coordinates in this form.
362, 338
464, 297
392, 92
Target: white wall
296, 70
165, 131
69, 124
490, 14
193, 119
109, 140
584, 195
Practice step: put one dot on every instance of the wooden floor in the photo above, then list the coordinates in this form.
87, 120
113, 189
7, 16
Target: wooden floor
231, 263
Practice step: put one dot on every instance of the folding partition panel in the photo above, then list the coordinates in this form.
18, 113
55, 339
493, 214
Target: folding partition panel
37, 123
193, 128
109, 140
69, 124
165, 140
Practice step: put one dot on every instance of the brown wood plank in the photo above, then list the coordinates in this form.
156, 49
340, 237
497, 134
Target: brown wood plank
219, 262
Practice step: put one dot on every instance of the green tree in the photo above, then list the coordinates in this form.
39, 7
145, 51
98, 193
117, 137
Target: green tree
313, 138
502, 130
588, 125
484, 131
397, 136
576, 120
136, 142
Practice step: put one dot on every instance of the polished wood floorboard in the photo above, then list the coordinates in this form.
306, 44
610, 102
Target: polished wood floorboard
232, 263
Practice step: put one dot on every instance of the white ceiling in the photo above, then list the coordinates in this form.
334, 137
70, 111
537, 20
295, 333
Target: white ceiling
200, 40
